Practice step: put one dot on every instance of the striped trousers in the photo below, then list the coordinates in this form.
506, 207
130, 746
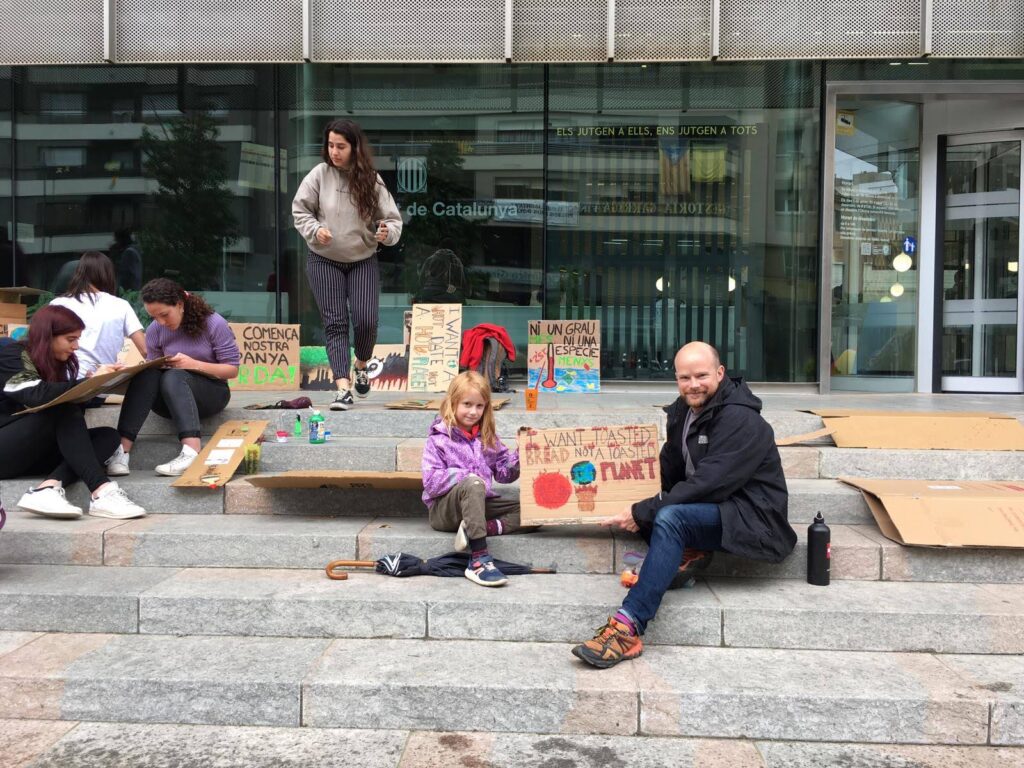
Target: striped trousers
340, 288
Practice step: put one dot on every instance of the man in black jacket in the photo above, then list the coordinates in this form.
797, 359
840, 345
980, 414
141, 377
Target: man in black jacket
722, 489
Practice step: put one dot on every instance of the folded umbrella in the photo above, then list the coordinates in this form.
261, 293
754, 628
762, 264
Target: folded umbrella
403, 565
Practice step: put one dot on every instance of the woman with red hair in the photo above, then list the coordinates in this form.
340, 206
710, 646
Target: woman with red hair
54, 442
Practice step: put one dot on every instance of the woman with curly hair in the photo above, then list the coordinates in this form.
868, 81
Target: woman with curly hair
343, 210
203, 356
54, 442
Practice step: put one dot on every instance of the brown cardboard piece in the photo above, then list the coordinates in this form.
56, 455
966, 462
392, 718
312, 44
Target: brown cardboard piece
269, 357
129, 354
340, 478
586, 474
217, 462
497, 403
87, 389
12, 311
946, 513
909, 430
434, 346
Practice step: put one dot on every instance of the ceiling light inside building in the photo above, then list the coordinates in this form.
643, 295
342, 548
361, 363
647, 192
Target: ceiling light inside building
1011, 266
902, 263
896, 290
732, 283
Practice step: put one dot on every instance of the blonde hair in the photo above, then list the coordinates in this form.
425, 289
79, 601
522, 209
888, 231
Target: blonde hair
461, 385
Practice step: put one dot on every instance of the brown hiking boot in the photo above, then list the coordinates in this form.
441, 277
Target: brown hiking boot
610, 645
693, 560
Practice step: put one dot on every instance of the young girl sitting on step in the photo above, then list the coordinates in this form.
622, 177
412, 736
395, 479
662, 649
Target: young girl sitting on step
462, 459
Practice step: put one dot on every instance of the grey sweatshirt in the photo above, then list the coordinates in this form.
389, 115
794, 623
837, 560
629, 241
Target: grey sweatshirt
323, 201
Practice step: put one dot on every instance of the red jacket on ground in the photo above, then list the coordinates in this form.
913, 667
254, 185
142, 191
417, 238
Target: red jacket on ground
473, 343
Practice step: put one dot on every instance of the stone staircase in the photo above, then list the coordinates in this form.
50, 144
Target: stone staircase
209, 632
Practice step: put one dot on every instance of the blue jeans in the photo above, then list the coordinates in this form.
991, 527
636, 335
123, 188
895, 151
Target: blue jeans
695, 526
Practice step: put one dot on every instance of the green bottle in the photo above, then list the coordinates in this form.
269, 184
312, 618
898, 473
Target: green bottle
297, 430
316, 429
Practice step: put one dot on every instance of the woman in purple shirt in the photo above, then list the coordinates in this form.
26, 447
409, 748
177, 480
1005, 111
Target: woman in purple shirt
203, 356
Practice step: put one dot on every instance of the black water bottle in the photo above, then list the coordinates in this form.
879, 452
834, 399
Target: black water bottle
819, 552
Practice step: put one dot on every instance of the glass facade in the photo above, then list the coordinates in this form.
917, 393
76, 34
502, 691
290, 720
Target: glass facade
669, 201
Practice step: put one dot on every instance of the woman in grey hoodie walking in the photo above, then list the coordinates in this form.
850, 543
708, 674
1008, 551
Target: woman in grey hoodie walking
343, 211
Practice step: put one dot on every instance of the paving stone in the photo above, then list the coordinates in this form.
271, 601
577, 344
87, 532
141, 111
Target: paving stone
840, 504
1002, 678
922, 465
805, 695
205, 680
482, 686
125, 745
288, 603
980, 564
350, 453
815, 755
871, 616
227, 541
71, 598
22, 741
573, 549
854, 556
515, 750
243, 498
10, 641
29, 538
565, 608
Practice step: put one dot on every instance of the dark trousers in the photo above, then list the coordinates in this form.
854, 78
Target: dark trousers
697, 526
183, 396
56, 443
468, 501
340, 288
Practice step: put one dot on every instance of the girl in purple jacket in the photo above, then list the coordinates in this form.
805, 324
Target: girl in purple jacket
462, 459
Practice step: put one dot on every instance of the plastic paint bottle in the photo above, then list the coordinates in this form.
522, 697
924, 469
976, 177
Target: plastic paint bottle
316, 429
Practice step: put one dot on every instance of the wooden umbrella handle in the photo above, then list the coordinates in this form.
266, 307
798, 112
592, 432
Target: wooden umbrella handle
341, 575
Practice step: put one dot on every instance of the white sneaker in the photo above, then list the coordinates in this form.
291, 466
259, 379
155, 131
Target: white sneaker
178, 464
461, 539
117, 464
113, 502
49, 502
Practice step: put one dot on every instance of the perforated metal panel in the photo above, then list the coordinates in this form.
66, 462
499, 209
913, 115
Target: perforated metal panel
814, 29
978, 29
409, 31
52, 32
662, 30
208, 30
560, 30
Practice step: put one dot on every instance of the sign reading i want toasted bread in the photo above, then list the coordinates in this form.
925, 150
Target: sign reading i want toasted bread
586, 474
434, 346
219, 459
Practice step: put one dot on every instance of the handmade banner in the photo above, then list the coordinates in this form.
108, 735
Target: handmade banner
434, 346
586, 474
564, 355
270, 356
388, 368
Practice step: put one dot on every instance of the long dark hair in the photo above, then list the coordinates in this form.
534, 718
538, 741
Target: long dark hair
362, 176
46, 323
164, 291
94, 270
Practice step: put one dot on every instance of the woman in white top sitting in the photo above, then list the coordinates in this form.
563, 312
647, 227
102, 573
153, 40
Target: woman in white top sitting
92, 295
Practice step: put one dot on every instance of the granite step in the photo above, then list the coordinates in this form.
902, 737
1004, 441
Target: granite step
859, 552
849, 615
153, 492
64, 744
478, 685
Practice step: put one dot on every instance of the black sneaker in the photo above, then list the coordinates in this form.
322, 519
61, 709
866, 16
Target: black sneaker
362, 382
342, 400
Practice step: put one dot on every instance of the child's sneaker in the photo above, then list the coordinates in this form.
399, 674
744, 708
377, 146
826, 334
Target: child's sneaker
612, 643
49, 501
117, 465
342, 400
362, 382
484, 572
461, 539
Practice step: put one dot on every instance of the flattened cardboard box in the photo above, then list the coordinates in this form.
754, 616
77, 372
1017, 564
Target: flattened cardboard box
586, 474
217, 462
946, 513
908, 430
340, 478
87, 389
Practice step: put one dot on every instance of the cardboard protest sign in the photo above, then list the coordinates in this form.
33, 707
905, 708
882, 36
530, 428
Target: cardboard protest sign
946, 513
15, 331
388, 368
219, 459
564, 355
586, 474
129, 354
269, 356
434, 346
103, 383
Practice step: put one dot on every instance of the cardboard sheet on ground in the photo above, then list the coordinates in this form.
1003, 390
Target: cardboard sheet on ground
967, 431
269, 356
340, 478
586, 474
220, 457
434, 344
564, 355
946, 513
104, 383
497, 403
